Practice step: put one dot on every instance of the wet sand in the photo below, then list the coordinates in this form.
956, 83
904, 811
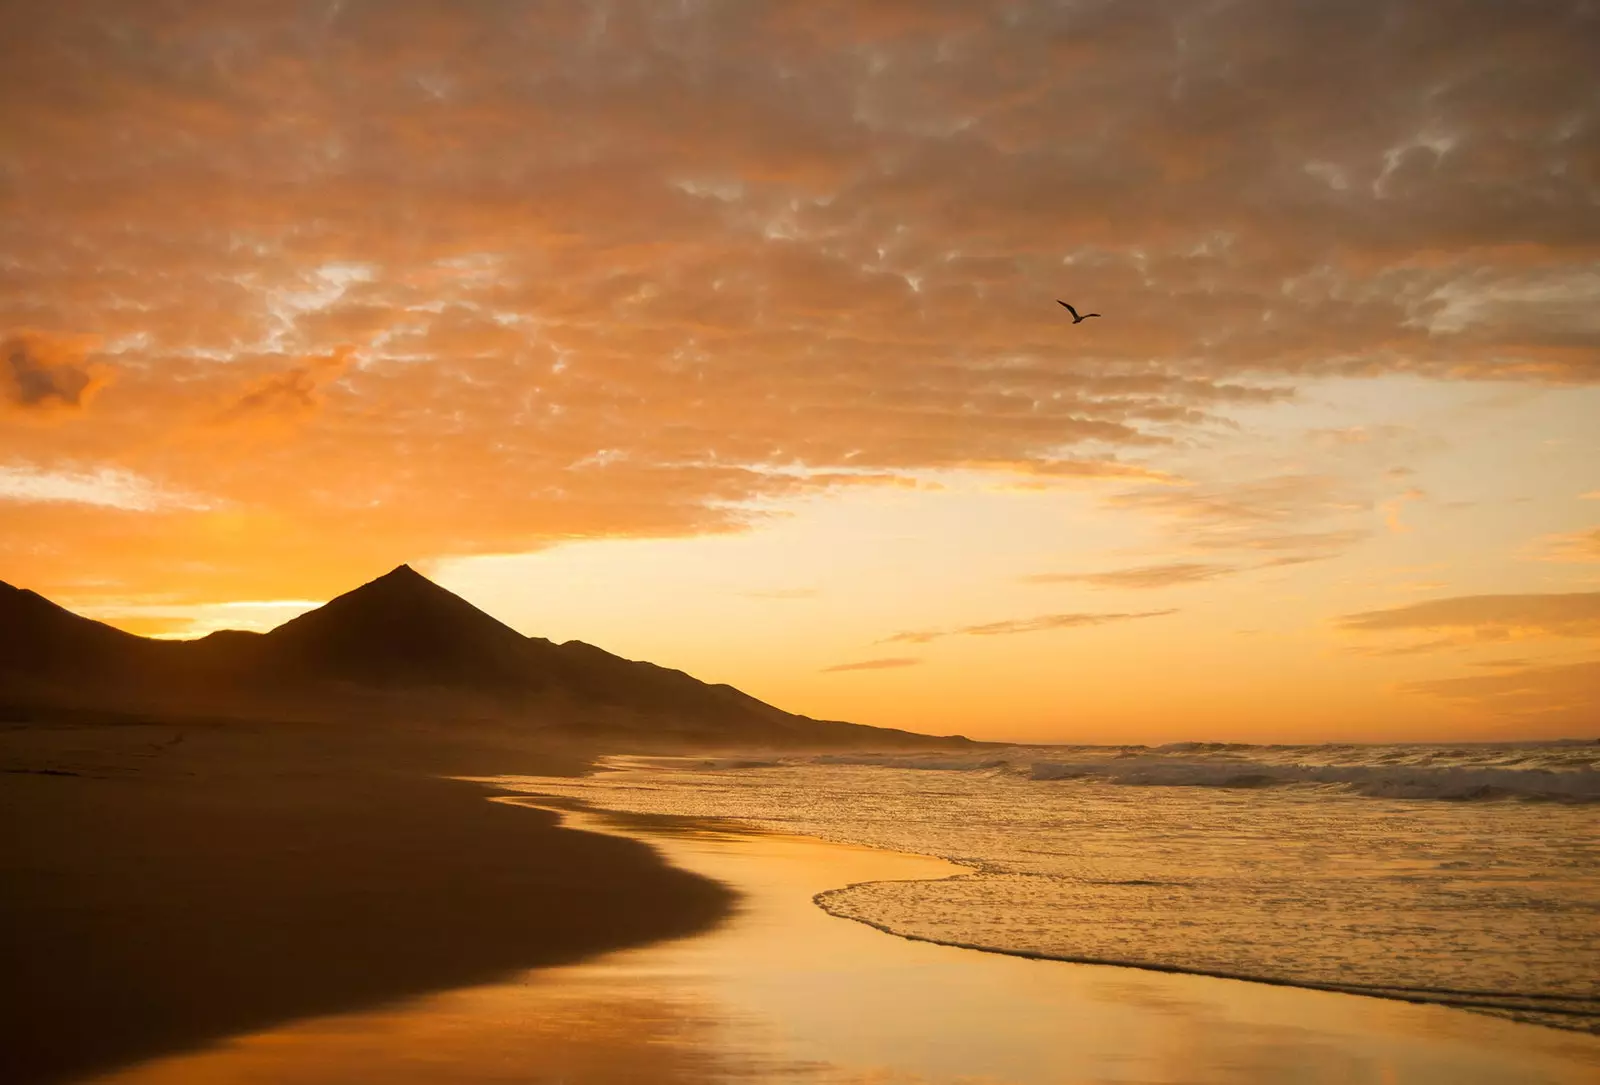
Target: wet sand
163, 886
783, 992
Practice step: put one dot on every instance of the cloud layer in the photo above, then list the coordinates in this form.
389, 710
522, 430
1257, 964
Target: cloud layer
630, 268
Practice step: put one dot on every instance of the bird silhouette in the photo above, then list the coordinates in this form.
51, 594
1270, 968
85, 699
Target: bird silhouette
1076, 319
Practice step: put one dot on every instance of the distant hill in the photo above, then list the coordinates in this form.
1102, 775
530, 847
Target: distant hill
399, 646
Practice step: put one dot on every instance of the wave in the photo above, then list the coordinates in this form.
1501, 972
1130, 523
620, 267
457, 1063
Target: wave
1574, 1011
1449, 782
1552, 772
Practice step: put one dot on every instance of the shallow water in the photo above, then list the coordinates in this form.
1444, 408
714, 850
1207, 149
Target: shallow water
783, 992
1462, 876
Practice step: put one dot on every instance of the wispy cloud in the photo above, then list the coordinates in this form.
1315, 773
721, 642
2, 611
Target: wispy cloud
1295, 547
888, 663
1140, 577
1037, 624
1488, 617
1563, 692
1574, 546
1393, 506
103, 487
1416, 648
1291, 515
1043, 473
178, 620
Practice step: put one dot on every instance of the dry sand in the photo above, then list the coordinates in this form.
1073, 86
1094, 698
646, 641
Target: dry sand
162, 886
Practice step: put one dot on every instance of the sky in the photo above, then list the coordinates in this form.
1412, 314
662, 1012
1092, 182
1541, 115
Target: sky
723, 334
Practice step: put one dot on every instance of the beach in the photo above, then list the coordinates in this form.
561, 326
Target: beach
782, 992
235, 907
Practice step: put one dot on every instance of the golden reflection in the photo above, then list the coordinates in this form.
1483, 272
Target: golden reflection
783, 992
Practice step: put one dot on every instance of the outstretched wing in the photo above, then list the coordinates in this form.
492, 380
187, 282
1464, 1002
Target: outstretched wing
1086, 316
1068, 308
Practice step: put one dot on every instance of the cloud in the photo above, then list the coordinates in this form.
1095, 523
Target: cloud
1165, 575
1287, 515
105, 487
1311, 545
1045, 471
1392, 507
44, 373
1488, 617
1021, 625
874, 664
1347, 435
1261, 501
1566, 692
1575, 546
291, 394
1396, 650
177, 621
782, 594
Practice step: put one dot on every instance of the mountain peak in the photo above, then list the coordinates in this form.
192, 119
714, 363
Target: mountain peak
400, 574
400, 626
405, 587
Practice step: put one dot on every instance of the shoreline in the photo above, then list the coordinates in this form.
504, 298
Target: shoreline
911, 912
783, 992
1418, 996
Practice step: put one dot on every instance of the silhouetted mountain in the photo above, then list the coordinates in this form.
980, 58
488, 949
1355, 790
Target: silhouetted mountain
400, 629
39, 634
46, 651
397, 646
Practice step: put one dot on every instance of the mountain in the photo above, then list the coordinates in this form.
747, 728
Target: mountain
401, 629
397, 647
38, 634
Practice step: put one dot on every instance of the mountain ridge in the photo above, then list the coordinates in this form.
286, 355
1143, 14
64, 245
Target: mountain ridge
398, 646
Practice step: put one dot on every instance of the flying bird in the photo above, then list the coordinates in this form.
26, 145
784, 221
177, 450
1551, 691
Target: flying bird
1076, 319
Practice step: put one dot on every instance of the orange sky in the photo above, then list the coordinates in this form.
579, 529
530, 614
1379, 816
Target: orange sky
724, 335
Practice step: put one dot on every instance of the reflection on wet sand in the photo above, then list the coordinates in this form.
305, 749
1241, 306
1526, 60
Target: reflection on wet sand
783, 992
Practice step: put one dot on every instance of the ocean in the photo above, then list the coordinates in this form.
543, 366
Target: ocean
1466, 876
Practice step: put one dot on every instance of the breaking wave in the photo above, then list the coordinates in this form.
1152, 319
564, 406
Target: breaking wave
1557, 772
